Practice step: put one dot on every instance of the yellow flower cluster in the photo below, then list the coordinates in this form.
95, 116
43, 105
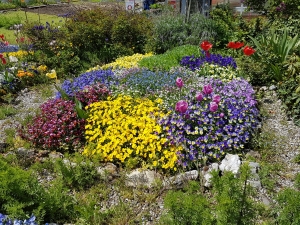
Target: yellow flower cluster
126, 128
19, 54
42, 68
22, 73
123, 62
226, 74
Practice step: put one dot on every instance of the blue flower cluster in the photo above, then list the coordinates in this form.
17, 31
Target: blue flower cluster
194, 63
5, 220
208, 132
8, 48
147, 81
105, 77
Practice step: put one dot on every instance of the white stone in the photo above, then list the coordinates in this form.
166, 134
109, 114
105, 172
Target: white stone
231, 163
207, 174
181, 178
108, 169
141, 178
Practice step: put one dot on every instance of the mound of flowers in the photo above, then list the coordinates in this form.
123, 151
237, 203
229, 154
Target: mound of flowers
56, 127
70, 87
125, 130
195, 63
210, 122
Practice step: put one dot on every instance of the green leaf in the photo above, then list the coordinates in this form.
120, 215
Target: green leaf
80, 112
63, 94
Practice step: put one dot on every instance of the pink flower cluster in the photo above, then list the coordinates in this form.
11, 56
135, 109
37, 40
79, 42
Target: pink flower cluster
182, 105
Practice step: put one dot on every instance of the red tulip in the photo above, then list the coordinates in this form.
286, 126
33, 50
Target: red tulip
3, 60
1, 56
235, 45
181, 106
179, 82
205, 45
231, 44
2, 37
238, 45
248, 50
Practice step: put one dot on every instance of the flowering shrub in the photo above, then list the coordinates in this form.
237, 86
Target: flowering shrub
125, 130
57, 126
126, 61
209, 122
194, 63
225, 74
93, 93
5, 220
106, 77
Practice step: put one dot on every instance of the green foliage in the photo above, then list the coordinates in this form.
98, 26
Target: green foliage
8, 22
233, 198
7, 110
272, 51
20, 192
287, 91
288, 207
110, 32
231, 202
4, 6
188, 207
76, 173
169, 59
169, 31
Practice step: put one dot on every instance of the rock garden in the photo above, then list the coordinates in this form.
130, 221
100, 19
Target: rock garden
116, 117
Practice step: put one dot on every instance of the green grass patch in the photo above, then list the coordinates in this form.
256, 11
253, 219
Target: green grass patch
15, 17
7, 110
169, 59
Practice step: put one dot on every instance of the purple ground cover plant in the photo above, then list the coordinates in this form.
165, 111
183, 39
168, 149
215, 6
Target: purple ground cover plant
219, 118
105, 77
195, 63
56, 127
93, 93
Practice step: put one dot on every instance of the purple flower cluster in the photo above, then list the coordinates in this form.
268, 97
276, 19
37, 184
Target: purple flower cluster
105, 77
281, 7
194, 63
57, 126
217, 119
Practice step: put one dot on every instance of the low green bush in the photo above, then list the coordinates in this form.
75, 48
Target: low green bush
4, 6
229, 203
169, 59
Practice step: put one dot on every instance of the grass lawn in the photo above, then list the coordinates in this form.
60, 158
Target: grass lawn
20, 16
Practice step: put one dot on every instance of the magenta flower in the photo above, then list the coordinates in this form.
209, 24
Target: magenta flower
207, 89
213, 107
221, 115
199, 96
217, 99
181, 106
179, 82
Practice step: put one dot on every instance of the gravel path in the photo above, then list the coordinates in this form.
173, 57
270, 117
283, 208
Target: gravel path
286, 142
